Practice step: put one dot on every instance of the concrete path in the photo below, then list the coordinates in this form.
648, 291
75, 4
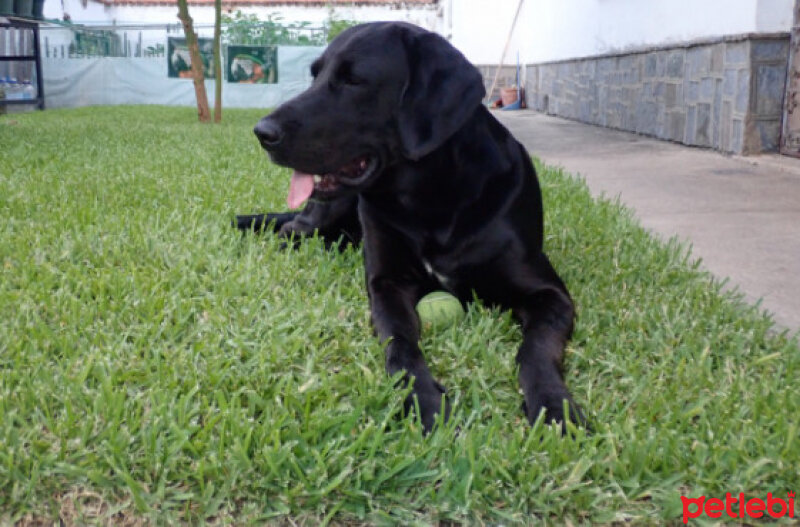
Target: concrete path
741, 214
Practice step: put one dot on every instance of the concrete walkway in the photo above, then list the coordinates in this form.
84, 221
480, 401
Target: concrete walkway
741, 214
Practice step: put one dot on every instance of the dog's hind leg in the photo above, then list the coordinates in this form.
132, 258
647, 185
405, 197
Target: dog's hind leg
260, 222
335, 221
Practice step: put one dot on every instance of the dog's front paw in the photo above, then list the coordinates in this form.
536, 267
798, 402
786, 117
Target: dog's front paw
553, 404
430, 398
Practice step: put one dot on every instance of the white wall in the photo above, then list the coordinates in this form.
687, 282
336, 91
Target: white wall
480, 29
774, 15
94, 11
550, 30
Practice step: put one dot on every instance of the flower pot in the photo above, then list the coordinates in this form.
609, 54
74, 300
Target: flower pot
38, 9
23, 8
6, 7
508, 96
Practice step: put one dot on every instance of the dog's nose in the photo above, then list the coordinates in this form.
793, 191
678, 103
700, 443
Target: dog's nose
268, 132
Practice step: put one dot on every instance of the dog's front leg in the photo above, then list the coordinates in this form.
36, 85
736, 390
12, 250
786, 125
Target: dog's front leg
547, 319
396, 323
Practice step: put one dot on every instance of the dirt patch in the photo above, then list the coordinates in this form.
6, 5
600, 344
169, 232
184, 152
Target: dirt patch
84, 507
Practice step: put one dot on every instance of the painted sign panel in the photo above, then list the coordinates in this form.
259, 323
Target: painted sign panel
252, 64
179, 61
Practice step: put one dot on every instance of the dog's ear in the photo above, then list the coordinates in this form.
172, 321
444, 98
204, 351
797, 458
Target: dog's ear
442, 92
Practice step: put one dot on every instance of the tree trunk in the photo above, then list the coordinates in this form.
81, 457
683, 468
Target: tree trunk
203, 113
217, 61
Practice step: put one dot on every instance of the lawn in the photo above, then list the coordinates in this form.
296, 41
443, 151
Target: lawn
158, 367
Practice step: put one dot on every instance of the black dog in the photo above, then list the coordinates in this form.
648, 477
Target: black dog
395, 132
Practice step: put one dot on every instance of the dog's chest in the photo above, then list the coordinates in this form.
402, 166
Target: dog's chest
461, 267
447, 265
446, 280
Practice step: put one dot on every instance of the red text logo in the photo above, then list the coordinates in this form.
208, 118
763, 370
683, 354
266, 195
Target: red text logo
738, 507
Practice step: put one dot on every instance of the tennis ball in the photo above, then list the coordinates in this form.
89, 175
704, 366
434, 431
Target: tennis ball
439, 310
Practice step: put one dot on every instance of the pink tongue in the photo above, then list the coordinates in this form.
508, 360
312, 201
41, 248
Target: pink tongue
300, 189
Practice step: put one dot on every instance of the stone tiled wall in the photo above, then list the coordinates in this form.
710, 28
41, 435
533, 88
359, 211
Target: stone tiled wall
726, 94
769, 62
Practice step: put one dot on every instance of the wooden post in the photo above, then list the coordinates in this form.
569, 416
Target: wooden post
790, 138
217, 61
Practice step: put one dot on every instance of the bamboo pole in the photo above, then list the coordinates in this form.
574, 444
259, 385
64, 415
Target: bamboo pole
505, 50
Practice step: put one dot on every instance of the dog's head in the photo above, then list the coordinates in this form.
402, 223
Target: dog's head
382, 93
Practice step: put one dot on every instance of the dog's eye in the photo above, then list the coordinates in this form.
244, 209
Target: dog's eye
352, 80
345, 75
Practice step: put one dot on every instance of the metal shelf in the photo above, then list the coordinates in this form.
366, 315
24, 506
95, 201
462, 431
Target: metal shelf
36, 100
14, 22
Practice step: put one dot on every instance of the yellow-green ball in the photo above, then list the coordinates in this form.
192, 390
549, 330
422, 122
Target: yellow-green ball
439, 310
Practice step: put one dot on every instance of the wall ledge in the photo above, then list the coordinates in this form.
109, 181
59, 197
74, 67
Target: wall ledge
638, 50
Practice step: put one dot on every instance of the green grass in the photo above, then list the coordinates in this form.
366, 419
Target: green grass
157, 367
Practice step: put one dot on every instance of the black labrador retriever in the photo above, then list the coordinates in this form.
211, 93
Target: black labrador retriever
393, 144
